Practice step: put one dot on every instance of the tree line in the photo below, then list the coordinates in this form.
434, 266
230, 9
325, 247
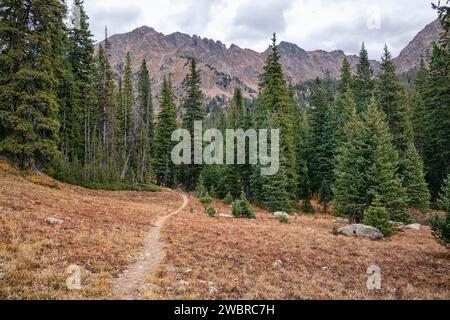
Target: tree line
365, 144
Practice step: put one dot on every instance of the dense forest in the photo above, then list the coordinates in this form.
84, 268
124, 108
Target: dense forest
366, 145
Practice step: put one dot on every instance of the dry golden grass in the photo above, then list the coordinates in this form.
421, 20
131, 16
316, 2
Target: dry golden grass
101, 233
237, 256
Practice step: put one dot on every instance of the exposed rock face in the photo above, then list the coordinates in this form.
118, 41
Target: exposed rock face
421, 45
223, 68
361, 230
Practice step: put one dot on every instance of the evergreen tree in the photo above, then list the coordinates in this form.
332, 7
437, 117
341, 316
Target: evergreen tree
194, 111
346, 80
414, 180
363, 83
392, 100
105, 127
377, 216
344, 108
167, 123
276, 109
441, 226
419, 111
125, 121
232, 175
382, 173
81, 58
436, 97
350, 187
145, 101
325, 196
321, 144
32, 52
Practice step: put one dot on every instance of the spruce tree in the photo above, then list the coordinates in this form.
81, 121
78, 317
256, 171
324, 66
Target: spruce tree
383, 170
346, 80
321, 145
276, 109
167, 123
392, 100
325, 195
377, 216
32, 51
437, 109
125, 121
350, 187
105, 117
194, 111
441, 226
414, 180
363, 83
145, 101
419, 110
81, 58
232, 175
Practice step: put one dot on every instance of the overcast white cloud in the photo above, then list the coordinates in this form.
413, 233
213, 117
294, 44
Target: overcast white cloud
312, 24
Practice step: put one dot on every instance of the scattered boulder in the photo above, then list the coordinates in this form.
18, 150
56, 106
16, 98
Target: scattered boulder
414, 226
361, 230
187, 270
277, 264
53, 221
342, 220
280, 214
225, 215
397, 225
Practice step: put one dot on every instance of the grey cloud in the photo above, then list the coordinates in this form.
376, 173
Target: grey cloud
257, 20
393, 30
197, 16
116, 19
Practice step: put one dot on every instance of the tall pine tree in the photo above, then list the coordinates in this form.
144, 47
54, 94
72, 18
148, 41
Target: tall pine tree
167, 123
32, 52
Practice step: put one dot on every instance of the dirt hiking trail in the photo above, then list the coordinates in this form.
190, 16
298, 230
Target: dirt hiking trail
128, 286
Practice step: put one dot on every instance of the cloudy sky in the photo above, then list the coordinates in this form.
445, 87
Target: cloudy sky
312, 24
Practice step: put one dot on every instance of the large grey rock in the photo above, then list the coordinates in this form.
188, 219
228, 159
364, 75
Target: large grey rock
342, 220
414, 226
280, 214
361, 230
53, 221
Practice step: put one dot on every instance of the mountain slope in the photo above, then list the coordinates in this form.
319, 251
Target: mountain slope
421, 45
223, 68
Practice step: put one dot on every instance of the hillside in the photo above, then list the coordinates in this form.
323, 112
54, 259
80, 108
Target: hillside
224, 68
206, 258
101, 233
420, 46
226, 258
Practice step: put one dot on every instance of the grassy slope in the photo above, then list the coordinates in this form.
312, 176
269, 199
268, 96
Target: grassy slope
102, 232
238, 255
